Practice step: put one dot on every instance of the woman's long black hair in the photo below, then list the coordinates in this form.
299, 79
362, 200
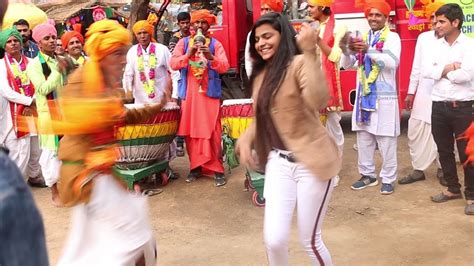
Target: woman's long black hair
276, 68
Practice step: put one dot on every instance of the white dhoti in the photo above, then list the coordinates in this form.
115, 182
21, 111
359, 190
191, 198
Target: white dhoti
423, 150
388, 149
112, 229
19, 151
50, 166
333, 125
34, 167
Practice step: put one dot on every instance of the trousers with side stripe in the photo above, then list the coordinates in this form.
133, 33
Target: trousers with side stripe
288, 186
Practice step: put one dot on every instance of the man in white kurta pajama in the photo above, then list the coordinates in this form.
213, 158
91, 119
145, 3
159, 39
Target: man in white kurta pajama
383, 125
164, 75
423, 150
24, 149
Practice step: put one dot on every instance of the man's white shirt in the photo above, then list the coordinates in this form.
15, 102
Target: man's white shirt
131, 77
458, 84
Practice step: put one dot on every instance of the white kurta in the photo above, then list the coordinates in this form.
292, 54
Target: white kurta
112, 229
423, 150
131, 76
418, 85
19, 148
385, 121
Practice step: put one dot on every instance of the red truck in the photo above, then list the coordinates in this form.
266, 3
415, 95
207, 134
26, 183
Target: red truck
237, 16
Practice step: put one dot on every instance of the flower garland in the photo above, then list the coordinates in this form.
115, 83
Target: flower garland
366, 80
148, 83
21, 78
368, 72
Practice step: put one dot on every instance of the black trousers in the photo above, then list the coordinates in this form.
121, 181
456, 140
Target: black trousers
449, 120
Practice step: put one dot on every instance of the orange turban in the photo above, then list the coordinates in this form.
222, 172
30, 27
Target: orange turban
203, 14
321, 2
431, 6
66, 38
102, 38
275, 5
380, 5
144, 25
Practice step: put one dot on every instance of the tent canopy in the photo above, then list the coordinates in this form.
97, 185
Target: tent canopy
60, 13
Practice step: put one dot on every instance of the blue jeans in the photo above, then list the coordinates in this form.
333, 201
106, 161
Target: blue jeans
22, 240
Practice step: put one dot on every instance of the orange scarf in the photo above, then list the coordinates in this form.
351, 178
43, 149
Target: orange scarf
329, 68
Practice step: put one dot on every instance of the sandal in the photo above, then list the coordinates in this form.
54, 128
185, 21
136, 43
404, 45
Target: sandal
152, 192
441, 197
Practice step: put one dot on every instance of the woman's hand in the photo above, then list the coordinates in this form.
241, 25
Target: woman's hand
307, 38
243, 149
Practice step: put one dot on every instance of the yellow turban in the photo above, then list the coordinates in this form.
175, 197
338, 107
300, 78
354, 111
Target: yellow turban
321, 2
144, 25
102, 38
431, 6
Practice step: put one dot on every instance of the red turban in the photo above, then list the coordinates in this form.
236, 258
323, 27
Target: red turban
380, 5
66, 38
275, 5
203, 14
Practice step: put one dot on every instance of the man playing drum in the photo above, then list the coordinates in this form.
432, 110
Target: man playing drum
147, 73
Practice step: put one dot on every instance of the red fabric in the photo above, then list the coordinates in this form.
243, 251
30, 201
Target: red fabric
206, 153
200, 115
275, 5
470, 144
330, 67
200, 124
16, 110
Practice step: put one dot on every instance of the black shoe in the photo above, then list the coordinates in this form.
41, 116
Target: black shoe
220, 180
417, 175
440, 176
193, 175
36, 182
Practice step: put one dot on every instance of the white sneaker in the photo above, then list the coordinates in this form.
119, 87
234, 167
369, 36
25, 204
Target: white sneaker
336, 180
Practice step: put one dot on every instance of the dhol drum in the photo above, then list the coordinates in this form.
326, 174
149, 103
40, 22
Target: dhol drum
148, 142
236, 116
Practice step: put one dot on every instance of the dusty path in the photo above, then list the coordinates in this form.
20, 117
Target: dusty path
197, 224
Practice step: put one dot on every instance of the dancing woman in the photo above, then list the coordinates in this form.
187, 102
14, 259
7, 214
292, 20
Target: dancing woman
299, 156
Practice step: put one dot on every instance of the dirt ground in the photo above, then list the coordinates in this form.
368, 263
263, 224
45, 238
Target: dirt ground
198, 224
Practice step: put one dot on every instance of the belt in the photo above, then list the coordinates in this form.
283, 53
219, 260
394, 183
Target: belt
289, 157
455, 104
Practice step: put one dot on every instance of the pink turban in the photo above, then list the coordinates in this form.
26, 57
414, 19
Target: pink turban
43, 30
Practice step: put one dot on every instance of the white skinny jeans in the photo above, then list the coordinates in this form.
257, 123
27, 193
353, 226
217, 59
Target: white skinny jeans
288, 185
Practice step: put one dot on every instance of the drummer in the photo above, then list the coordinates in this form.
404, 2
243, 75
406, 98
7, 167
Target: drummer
147, 73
